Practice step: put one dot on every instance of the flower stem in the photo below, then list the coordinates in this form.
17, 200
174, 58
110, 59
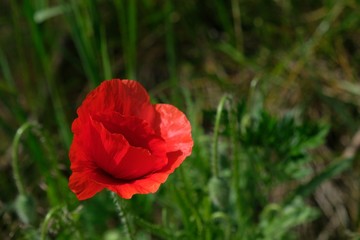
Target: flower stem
214, 157
15, 156
123, 216
48, 217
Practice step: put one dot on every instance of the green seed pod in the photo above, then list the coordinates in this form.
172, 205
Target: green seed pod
219, 192
25, 208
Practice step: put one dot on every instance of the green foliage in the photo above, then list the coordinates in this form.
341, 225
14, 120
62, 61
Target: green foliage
276, 221
281, 145
262, 150
272, 151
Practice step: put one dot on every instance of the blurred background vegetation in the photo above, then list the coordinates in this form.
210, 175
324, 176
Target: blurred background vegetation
271, 88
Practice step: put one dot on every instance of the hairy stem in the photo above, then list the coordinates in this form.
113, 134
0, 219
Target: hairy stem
15, 156
123, 216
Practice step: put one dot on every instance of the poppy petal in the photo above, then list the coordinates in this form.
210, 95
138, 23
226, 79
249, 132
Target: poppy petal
149, 184
124, 143
136, 131
174, 128
116, 157
126, 189
94, 145
109, 152
140, 186
82, 186
122, 160
139, 162
126, 97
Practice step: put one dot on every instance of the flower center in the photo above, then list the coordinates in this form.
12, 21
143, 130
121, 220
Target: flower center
137, 132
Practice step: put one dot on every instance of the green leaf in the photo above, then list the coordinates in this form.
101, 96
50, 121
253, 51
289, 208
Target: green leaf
276, 220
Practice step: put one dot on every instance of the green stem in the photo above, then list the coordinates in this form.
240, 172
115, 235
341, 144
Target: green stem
234, 128
48, 217
123, 216
214, 157
15, 157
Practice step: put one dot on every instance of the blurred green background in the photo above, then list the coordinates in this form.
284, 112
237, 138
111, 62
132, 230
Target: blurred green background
271, 88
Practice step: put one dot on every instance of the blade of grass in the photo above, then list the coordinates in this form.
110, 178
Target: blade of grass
105, 56
48, 74
128, 32
224, 18
81, 32
10, 84
20, 49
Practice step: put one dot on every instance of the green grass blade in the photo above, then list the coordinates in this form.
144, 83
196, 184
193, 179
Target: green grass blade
105, 56
48, 74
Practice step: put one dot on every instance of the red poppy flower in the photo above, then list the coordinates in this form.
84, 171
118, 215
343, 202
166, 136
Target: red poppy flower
124, 143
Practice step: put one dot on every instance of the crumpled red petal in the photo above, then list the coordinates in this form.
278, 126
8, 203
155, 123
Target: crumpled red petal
126, 97
176, 131
126, 189
124, 143
136, 131
174, 128
82, 186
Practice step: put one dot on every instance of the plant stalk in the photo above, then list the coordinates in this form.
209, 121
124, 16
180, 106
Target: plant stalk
123, 216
